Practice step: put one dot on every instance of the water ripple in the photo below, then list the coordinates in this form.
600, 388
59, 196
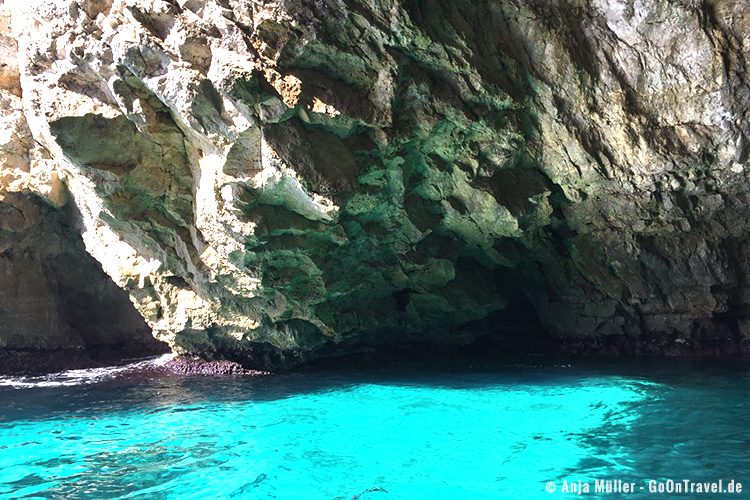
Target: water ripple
437, 435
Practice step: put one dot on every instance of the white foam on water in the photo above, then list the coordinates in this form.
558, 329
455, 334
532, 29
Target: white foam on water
83, 376
163, 359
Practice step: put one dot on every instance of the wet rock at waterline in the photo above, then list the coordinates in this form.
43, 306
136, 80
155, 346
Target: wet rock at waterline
271, 182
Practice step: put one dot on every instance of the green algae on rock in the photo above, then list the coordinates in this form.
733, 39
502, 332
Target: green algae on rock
273, 182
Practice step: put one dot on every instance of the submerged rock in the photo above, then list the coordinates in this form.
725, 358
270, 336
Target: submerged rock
277, 181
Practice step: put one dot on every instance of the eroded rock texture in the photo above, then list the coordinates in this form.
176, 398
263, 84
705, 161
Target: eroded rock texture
272, 181
58, 309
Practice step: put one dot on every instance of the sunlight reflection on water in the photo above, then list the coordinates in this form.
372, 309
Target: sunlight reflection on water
500, 434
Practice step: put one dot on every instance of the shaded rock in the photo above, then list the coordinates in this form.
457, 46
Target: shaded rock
189, 365
57, 307
278, 182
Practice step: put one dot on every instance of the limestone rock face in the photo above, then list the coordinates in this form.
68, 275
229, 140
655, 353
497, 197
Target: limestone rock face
278, 180
58, 309
55, 300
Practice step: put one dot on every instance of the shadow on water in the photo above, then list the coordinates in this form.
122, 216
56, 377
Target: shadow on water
688, 425
139, 391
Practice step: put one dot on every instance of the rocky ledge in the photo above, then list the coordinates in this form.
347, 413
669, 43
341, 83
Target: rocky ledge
191, 365
284, 180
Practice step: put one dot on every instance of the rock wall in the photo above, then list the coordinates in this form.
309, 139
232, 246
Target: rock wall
57, 307
274, 181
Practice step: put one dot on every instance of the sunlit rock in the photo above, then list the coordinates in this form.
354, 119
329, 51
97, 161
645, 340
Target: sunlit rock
272, 182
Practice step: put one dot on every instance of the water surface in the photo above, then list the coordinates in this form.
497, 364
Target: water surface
503, 432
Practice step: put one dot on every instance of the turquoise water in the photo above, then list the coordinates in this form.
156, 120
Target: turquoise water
453, 434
